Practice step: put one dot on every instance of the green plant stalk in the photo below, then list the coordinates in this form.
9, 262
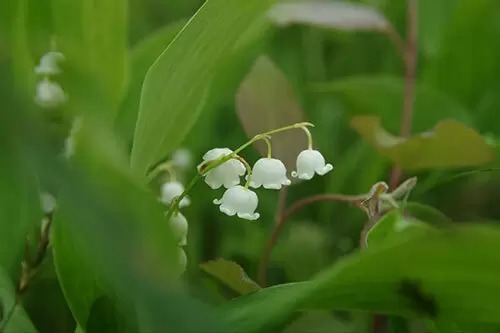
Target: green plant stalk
205, 168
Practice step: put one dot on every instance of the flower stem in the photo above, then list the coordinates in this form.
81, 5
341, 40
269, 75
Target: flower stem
167, 166
249, 170
302, 125
210, 165
175, 203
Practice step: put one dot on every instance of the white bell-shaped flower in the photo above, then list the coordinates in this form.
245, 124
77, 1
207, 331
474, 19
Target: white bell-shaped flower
171, 190
47, 202
269, 173
48, 63
179, 226
309, 162
227, 174
49, 94
240, 201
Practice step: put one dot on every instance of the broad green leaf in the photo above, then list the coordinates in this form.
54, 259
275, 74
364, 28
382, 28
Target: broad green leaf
92, 34
392, 225
20, 210
428, 275
178, 85
142, 56
427, 214
450, 144
110, 240
383, 96
231, 274
266, 101
12, 319
329, 14
467, 62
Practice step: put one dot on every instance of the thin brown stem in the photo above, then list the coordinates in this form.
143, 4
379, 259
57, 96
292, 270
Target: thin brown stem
284, 216
410, 60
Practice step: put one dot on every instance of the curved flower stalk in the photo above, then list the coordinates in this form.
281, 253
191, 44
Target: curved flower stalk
223, 167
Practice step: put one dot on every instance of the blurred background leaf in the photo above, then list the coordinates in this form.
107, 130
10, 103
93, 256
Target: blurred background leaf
265, 101
440, 148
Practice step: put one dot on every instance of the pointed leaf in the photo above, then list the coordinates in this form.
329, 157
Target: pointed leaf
142, 56
231, 274
428, 275
178, 84
450, 144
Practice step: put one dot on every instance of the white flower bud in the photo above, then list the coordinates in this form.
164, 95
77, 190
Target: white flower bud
179, 226
49, 94
47, 202
269, 173
309, 162
227, 174
48, 63
171, 190
240, 201
182, 158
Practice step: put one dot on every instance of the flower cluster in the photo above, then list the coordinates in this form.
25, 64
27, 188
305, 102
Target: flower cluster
224, 167
171, 190
49, 93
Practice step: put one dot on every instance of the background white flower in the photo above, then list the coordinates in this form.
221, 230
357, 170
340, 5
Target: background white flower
49, 63
171, 190
179, 226
49, 94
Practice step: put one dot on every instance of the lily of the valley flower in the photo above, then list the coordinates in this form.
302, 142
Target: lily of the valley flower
171, 190
182, 158
227, 174
309, 162
49, 63
240, 201
179, 226
47, 202
49, 94
269, 173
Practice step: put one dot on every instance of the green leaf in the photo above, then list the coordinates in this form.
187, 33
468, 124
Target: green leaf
142, 56
92, 34
428, 275
231, 274
117, 245
392, 225
266, 101
434, 18
341, 15
427, 214
19, 209
178, 85
383, 96
443, 147
467, 62
12, 319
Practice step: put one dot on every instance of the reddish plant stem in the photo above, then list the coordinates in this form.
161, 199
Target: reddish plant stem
283, 216
410, 61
